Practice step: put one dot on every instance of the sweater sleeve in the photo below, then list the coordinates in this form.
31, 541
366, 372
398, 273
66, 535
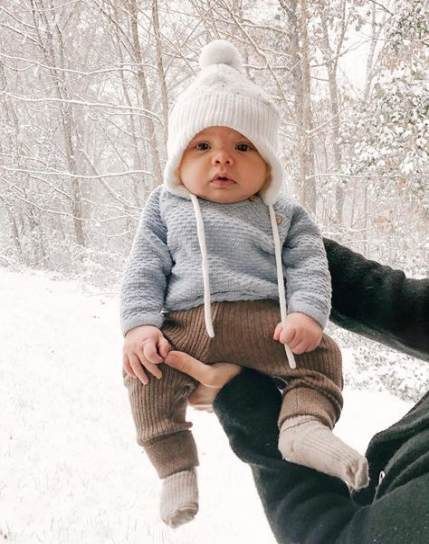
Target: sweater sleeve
308, 282
379, 302
148, 266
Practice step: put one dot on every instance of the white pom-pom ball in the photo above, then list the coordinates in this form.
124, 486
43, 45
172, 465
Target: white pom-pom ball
220, 52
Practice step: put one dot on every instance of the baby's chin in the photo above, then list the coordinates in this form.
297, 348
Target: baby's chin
223, 196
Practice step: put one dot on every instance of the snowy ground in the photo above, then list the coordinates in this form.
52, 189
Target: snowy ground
71, 471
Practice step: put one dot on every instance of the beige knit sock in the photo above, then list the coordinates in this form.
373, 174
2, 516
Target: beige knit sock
305, 440
179, 498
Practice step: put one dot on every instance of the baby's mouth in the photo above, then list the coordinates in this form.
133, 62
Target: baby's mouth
222, 181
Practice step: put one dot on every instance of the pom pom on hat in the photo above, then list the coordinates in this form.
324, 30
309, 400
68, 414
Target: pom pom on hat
220, 52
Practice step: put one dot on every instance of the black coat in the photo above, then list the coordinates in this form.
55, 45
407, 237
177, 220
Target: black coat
378, 301
305, 506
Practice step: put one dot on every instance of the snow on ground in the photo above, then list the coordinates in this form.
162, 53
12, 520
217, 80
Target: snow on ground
71, 470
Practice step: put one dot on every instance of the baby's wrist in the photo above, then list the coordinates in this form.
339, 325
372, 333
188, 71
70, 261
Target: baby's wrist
305, 317
141, 330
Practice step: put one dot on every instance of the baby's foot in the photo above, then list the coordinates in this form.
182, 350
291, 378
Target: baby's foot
179, 498
307, 441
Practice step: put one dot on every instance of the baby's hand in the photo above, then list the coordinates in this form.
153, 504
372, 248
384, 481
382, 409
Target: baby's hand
301, 333
146, 347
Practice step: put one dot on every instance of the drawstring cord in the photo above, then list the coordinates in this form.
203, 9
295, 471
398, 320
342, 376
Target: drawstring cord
206, 283
280, 281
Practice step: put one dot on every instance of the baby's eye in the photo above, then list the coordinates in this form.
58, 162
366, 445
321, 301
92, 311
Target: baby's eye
202, 146
244, 147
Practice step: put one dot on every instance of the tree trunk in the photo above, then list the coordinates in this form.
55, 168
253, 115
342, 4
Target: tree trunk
62, 93
331, 66
307, 147
160, 66
148, 123
137, 160
15, 233
302, 100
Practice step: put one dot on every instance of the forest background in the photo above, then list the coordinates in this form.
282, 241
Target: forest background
85, 91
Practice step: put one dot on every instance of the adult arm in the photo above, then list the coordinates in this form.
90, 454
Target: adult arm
304, 506
379, 302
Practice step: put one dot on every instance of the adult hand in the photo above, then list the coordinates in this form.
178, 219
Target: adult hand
211, 377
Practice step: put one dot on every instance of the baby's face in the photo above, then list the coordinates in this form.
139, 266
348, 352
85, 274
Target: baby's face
223, 166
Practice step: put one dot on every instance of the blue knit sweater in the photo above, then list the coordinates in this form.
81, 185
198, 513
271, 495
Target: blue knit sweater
164, 271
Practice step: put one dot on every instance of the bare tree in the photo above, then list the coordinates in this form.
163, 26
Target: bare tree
297, 16
51, 43
85, 89
149, 125
331, 54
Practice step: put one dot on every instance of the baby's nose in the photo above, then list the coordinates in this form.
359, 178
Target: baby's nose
222, 157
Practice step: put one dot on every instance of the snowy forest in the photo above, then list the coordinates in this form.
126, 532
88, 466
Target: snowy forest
86, 87
85, 92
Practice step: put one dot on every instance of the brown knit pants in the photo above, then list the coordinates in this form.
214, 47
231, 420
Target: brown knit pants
243, 335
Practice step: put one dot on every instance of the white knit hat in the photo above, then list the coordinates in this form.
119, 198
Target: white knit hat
221, 95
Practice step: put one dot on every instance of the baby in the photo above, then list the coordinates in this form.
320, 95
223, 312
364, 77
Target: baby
215, 247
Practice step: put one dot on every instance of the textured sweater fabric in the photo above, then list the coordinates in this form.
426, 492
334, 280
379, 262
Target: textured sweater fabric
164, 272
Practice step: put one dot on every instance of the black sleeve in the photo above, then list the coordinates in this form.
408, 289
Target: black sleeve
379, 302
302, 505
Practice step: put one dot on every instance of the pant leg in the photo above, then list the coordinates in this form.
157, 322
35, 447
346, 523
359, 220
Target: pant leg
244, 335
315, 388
159, 413
159, 408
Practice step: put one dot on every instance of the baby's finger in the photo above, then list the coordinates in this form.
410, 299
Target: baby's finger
288, 335
164, 347
297, 338
127, 367
277, 331
153, 369
150, 353
138, 369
